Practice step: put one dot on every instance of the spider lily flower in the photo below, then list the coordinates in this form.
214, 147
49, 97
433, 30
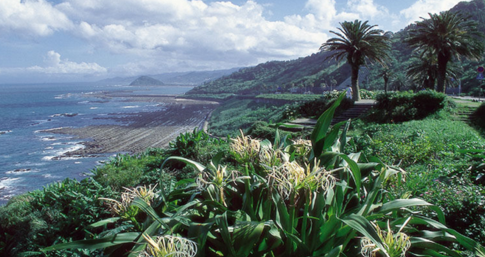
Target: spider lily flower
290, 178
218, 180
172, 246
244, 148
396, 245
122, 207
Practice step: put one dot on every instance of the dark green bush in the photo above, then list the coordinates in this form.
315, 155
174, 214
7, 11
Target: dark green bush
263, 130
405, 106
479, 116
60, 212
315, 108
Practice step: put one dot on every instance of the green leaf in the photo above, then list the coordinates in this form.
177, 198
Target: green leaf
401, 203
427, 245
246, 235
362, 225
321, 127
150, 211
118, 239
335, 252
199, 167
355, 171
104, 222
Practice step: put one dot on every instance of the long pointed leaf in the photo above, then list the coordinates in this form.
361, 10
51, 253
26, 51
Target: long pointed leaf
92, 244
199, 167
362, 225
321, 127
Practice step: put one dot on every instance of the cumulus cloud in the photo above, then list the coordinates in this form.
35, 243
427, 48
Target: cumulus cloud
367, 8
421, 8
53, 64
188, 32
31, 18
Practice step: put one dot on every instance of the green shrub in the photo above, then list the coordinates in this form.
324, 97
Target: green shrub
315, 108
60, 212
126, 170
405, 106
235, 114
479, 116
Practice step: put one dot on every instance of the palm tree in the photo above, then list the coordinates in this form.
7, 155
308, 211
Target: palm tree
446, 35
359, 42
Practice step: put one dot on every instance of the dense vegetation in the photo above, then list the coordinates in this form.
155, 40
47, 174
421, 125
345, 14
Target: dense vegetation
314, 74
220, 191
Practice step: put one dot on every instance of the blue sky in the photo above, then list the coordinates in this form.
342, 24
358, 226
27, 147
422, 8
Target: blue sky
86, 40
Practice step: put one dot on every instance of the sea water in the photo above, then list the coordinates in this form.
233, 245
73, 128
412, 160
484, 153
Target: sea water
26, 153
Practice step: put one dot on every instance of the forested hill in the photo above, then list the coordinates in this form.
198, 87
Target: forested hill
310, 71
313, 73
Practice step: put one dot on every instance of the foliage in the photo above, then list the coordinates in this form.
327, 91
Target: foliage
236, 114
405, 106
126, 170
216, 97
479, 116
197, 145
304, 198
446, 35
290, 97
315, 108
60, 212
359, 43
443, 162
367, 94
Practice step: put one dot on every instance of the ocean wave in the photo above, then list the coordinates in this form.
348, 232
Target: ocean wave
48, 138
21, 171
59, 154
67, 114
130, 107
6, 183
5, 132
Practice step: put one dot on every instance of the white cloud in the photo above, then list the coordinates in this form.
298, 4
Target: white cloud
190, 32
31, 18
55, 65
367, 8
421, 8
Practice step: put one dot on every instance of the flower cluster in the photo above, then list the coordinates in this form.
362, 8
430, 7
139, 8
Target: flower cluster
167, 245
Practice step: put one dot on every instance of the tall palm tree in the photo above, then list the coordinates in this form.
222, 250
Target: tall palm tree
446, 35
359, 42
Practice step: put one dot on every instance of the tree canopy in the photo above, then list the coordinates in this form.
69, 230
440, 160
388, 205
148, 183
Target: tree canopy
359, 43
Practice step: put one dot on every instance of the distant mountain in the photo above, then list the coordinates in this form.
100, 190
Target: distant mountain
176, 78
313, 73
146, 81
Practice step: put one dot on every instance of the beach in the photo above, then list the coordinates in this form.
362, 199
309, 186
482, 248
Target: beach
140, 130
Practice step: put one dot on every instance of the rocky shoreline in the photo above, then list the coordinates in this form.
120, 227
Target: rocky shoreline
140, 130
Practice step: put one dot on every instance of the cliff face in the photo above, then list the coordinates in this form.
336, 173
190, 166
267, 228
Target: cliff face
146, 81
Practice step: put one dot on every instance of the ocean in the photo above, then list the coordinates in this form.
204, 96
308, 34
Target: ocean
26, 153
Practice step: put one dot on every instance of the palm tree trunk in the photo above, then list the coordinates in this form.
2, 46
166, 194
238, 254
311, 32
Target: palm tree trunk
355, 83
386, 80
442, 62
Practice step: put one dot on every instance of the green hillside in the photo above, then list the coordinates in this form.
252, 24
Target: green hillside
313, 73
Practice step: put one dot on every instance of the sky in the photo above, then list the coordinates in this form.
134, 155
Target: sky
87, 40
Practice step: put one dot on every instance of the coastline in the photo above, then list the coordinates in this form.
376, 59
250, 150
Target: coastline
140, 130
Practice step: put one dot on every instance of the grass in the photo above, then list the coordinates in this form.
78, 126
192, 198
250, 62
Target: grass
433, 152
242, 114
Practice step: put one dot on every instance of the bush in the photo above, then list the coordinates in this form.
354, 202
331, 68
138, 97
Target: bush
60, 212
316, 108
479, 116
405, 106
